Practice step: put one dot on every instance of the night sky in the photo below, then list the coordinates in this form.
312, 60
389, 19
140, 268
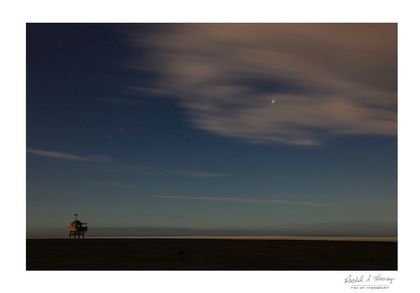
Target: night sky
212, 128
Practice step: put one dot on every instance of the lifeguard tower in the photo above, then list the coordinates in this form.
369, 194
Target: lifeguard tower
77, 229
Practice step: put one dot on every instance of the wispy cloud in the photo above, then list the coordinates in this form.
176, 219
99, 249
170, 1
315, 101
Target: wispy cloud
325, 79
247, 200
68, 156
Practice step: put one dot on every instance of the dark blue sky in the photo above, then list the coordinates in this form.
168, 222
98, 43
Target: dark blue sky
207, 127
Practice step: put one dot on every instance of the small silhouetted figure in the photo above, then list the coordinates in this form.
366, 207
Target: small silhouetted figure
77, 228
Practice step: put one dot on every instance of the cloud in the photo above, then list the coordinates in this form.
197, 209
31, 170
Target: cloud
67, 156
246, 200
326, 79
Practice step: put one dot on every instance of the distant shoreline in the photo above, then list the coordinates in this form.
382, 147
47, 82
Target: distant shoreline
246, 237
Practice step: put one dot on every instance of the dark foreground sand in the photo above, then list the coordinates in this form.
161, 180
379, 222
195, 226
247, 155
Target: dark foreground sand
208, 254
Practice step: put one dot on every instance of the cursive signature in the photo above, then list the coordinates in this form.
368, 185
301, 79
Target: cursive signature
370, 279
352, 280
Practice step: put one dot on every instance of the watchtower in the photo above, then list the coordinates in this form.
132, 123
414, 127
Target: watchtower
77, 228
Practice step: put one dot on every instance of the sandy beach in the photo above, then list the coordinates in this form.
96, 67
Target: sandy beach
209, 254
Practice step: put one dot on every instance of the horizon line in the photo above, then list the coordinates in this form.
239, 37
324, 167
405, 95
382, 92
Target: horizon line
245, 237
